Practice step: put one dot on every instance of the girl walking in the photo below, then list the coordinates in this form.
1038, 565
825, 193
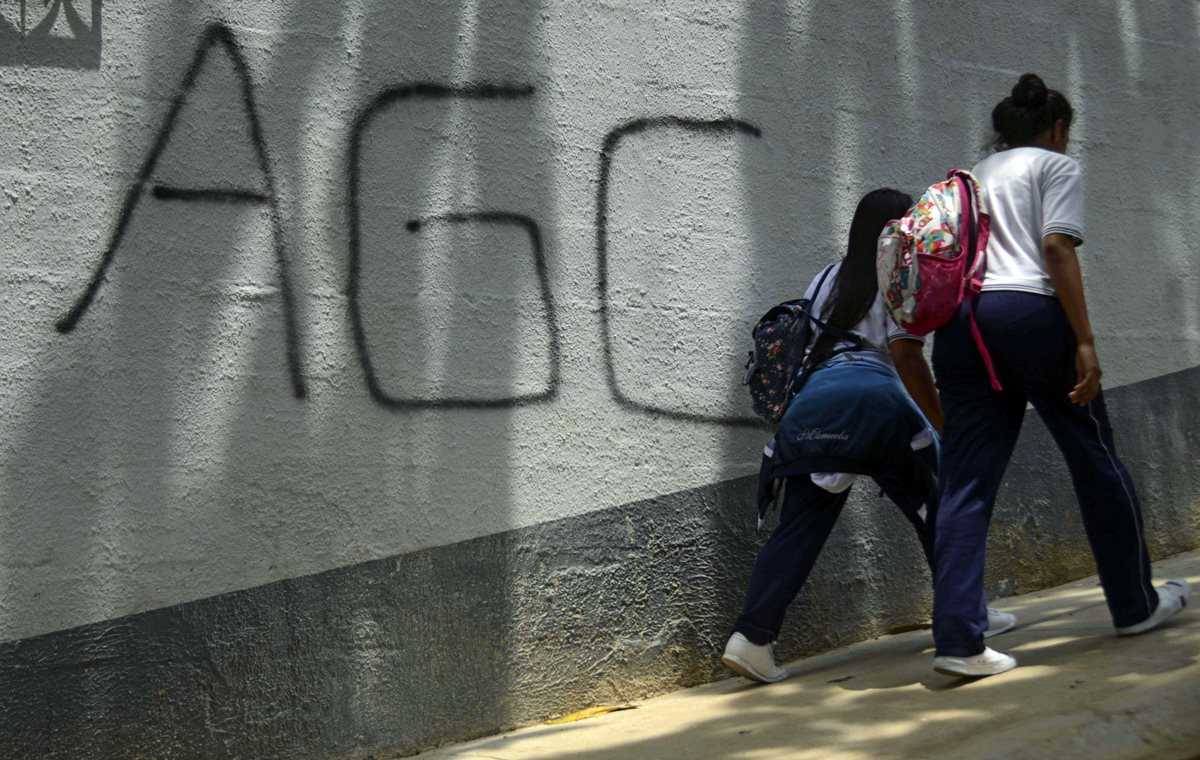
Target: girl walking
852, 417
1034, 322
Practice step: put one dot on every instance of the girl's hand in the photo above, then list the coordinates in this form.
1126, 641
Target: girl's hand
1087, 370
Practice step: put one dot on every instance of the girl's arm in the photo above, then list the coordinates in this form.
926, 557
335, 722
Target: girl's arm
909, 358
1058, 251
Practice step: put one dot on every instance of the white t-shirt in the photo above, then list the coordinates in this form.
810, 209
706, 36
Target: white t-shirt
1031, 192
877, 328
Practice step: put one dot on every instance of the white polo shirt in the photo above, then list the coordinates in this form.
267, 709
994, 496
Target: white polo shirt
1031, 192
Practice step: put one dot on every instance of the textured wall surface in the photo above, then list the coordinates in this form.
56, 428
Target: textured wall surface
336, 333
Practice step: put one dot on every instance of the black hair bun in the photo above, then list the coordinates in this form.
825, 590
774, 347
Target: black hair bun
1029, 92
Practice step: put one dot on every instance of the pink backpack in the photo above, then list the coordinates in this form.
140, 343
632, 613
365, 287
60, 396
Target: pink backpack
934, 256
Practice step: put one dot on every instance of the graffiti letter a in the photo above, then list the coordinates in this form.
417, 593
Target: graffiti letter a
214, 36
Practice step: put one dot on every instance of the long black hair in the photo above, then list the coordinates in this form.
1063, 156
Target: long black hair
855, 287
1031, 109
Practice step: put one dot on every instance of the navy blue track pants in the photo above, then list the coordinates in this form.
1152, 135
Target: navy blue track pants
1033, 349
806, 518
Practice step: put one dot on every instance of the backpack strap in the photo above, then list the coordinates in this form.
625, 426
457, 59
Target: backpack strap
856, 341
821, 282
837, 332
977, 225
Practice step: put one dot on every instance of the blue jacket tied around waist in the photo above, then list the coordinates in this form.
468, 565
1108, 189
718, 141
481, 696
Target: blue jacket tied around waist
853, 415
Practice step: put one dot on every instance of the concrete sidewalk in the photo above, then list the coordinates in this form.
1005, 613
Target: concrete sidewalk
1079, 692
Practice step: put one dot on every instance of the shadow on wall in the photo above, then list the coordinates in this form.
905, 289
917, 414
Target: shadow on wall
449, 272
59, 33
449, 267
198, 253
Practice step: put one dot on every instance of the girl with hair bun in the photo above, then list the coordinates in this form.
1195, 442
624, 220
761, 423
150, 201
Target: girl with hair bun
1034, 321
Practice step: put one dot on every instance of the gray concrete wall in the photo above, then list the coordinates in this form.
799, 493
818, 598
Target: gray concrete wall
401, 317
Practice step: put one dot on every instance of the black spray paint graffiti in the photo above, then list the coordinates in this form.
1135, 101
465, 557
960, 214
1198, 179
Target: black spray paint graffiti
221, 35
215, 35
428, 91
547, 297
611, 142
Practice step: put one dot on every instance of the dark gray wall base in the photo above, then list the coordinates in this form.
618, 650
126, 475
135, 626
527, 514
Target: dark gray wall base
395, 655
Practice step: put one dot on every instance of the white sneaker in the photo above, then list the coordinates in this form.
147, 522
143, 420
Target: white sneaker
999, 622
989, 662
1172, 597
754, 661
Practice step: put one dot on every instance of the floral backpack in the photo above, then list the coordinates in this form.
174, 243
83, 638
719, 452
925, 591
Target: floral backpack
935, 256
775, 369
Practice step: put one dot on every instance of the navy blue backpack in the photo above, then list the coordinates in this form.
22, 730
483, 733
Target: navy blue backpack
775, 369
